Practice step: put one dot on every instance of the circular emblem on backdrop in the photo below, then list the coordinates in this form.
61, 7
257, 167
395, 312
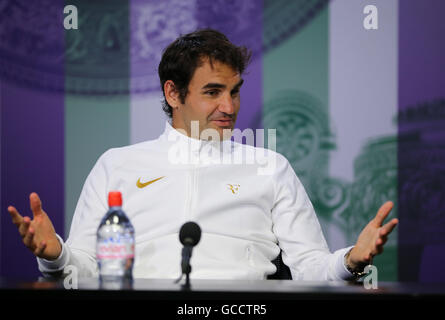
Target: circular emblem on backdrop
301, 124
304, 138
100, 56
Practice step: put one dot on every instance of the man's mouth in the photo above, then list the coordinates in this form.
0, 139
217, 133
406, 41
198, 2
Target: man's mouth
223, 122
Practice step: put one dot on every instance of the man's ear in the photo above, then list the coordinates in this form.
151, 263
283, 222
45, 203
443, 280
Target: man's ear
171, 94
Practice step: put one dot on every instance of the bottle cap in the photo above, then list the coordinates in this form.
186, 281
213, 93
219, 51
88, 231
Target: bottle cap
114, 199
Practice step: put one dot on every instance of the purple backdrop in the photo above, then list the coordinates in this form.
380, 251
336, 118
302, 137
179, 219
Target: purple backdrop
32, 122
421, 154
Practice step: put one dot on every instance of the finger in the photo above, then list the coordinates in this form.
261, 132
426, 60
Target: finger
383, 212
387, 228
17, 219
40, 248
381, 241
29, 236
36, 204
23, 228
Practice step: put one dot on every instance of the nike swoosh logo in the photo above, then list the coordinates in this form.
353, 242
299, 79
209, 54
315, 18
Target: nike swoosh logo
141, 185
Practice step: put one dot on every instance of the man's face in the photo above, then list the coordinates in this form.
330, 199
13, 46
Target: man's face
213, 99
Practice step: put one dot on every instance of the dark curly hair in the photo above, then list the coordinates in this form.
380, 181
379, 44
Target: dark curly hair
181, 58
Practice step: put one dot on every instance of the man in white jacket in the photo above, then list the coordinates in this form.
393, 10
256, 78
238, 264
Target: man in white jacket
248, 201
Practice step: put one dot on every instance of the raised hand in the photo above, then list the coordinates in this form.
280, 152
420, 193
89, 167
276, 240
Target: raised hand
38, 234
372, 238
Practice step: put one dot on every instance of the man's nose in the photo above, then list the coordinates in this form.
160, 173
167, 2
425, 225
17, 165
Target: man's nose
227, 104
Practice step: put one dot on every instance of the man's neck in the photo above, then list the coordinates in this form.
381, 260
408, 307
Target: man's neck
190, 131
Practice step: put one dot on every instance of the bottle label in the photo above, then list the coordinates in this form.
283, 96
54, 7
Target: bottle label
115, 249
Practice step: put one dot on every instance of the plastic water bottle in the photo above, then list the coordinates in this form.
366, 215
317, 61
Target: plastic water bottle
115, 242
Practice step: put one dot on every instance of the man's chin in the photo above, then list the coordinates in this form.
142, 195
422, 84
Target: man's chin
226, 133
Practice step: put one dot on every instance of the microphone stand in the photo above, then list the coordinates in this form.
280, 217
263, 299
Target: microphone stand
185, 266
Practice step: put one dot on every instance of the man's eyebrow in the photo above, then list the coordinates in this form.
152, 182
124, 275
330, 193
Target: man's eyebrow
212, 85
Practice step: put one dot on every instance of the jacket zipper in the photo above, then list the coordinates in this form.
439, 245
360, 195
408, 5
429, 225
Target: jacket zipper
193, 187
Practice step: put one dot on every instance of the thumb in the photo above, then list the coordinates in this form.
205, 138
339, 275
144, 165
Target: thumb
36, 204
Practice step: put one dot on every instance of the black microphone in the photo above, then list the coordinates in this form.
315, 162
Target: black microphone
189, 235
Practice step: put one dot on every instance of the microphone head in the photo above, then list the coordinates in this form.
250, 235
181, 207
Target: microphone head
190, 234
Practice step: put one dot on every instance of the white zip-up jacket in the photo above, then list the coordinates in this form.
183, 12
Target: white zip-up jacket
248, 202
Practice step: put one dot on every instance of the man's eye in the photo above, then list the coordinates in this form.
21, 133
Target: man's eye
235, 93
212, 92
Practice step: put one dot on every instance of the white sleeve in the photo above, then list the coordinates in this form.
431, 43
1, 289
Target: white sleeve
299, 233
80, 248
